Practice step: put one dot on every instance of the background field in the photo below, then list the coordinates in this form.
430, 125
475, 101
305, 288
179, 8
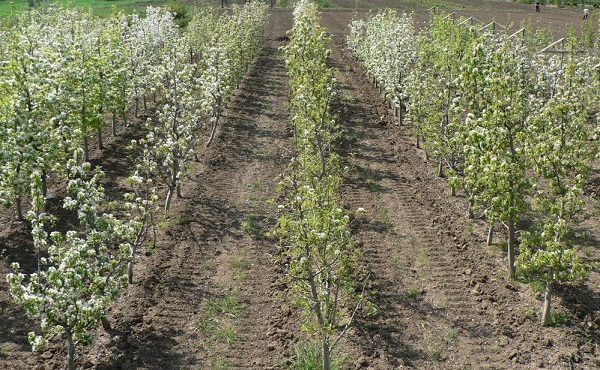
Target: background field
100, 7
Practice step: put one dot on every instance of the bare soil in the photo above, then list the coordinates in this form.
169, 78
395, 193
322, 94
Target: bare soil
212, 292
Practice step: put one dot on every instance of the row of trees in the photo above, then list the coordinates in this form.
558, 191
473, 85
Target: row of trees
313, 226
512, 129
64, 75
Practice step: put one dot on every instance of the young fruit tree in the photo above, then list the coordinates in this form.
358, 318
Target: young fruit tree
313, 226
562, 154
495, 152
83, 272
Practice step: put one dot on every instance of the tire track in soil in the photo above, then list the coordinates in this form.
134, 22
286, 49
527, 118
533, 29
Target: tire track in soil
442, 296
218, 225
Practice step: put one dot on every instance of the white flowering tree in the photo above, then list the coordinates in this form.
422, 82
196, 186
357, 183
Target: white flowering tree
83, 272
170, 142
386, 45
562, 155
313, 225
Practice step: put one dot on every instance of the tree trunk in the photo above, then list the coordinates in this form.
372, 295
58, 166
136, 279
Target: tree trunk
19, 208
100, 143
440, 172
490, 236
213, 131
86, 152
452, 191
426, 155
172, 186
418, 142
44, 184
179, 195
71, 353
168, 200
114, 124
131, 262
511, 248
490, 239
326, 353
546, 308
125, 117
400, 115
145, 104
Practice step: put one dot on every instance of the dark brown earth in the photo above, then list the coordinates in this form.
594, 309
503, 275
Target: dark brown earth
212, 292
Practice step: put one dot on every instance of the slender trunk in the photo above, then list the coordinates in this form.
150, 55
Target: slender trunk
145, 103
100, 143
546, 308
511, 248
131, 262
114, 124
137, 107
130, 271
400, 115
418, 142
172, 186
86, 153
396, 112
490, 236
125, 117
326, 353
452, 191
440, 172
470, 213
71, 351
213, 131
44, 184
426, 155
19, 208
168, 200
179, 191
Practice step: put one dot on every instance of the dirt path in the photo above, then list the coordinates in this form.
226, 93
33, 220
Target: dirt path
442, 295
210, 295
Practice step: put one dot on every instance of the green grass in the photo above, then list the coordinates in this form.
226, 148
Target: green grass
240, 268
227, 335
217, 314
4, 352
99, 7
229, 305
308, 357
413, 293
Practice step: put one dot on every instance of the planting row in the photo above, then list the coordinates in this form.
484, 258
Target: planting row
513, 129
313, 226
63, 75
